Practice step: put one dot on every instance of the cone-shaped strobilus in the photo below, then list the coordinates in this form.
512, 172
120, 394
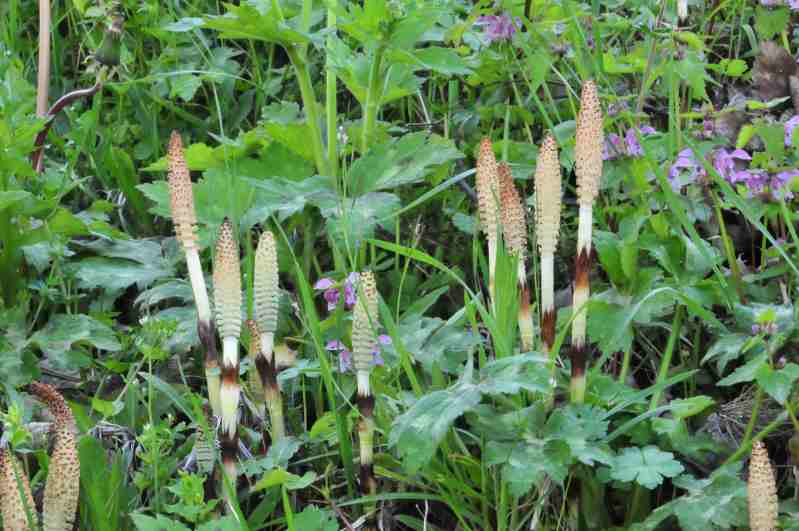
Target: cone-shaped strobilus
227, 303
364, 346
488, 204
547, 220
185, 221
514, 229
588, 167
266, 310
762, 491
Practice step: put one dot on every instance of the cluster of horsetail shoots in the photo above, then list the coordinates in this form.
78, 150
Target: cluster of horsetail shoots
547, 219
63, 477
514, 227
488, 197
266, 311
16, 501
762, 491
185, 221
61, 488
364, 343
588, 167
227, 302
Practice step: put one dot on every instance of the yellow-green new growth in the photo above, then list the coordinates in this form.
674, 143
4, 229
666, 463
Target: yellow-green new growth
364, 323
180, 194
15, 508
227, 283
762, 491
588, 148
63, 477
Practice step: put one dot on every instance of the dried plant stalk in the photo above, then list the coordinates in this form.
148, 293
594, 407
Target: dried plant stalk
547, 217
227, 302
514, 228
185, 221
588, 166
16, 501
762, 491
63, 477
267, 296
488, 199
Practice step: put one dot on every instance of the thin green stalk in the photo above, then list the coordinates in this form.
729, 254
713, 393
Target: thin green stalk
665, 361
750, 427
746, 445
502, 512
311, 111
728, 248
625, 365
331, 107
373, 97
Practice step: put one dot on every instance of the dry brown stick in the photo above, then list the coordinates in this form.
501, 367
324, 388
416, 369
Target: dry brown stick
43, 75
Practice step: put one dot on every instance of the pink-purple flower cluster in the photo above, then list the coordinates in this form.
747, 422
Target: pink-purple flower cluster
629, 146
332, 291
793, 4
498, 27
733, 167
345, 355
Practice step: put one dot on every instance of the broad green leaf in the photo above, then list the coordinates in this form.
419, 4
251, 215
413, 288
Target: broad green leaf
355, 220
746, 372
313, 518
528, 462
256, 21
510, 375
159, 523
582, 428
727, 348
445, 61
683, 408
770, 21
117, 275
646, 466
281, 477
406, 160
778, 384
10, 197
63, 332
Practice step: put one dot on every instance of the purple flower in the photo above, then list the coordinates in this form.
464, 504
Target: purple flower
613, 148
323, 283
498, 27
331, 296
345, 361
334, 345
794, 5
383, 339
685, 170
377, 359
634, 148
724, 162
351, 290
790, 125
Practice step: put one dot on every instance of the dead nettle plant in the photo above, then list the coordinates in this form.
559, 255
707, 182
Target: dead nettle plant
227, 303
61, 490
514, 229
364, 345
185, 221
267, 296
588, 167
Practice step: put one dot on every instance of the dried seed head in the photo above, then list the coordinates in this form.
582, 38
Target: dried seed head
227, 283
762, 491
63, 478
488, 189
12, 477
514, 225
547, 195
266, 283
588, 148
180, 194
364, 323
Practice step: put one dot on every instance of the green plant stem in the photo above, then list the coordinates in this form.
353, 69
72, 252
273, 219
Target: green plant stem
311, 111
746, 445
728, 248
750, 426
625, 364
331, 107
665, 361
373, 97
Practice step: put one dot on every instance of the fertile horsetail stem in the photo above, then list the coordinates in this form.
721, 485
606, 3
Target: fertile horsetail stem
488, 197
227, 301
183, 217
63, 476
514, 228
588, 166
364, 344
253, 375
266, 309
762, 491
547, 221
16, 501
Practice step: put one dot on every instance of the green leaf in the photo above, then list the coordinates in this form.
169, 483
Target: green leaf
10, 197
417, 433
746, 372
63, 332
778, 384
313, 518
281, 477
527, 463
117, 275
256, 23
582, 428
727, 348
184, 86
159, 523
683, 408
409, 159
771, 21
356, 220
445, 61
510, 375
646, 466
